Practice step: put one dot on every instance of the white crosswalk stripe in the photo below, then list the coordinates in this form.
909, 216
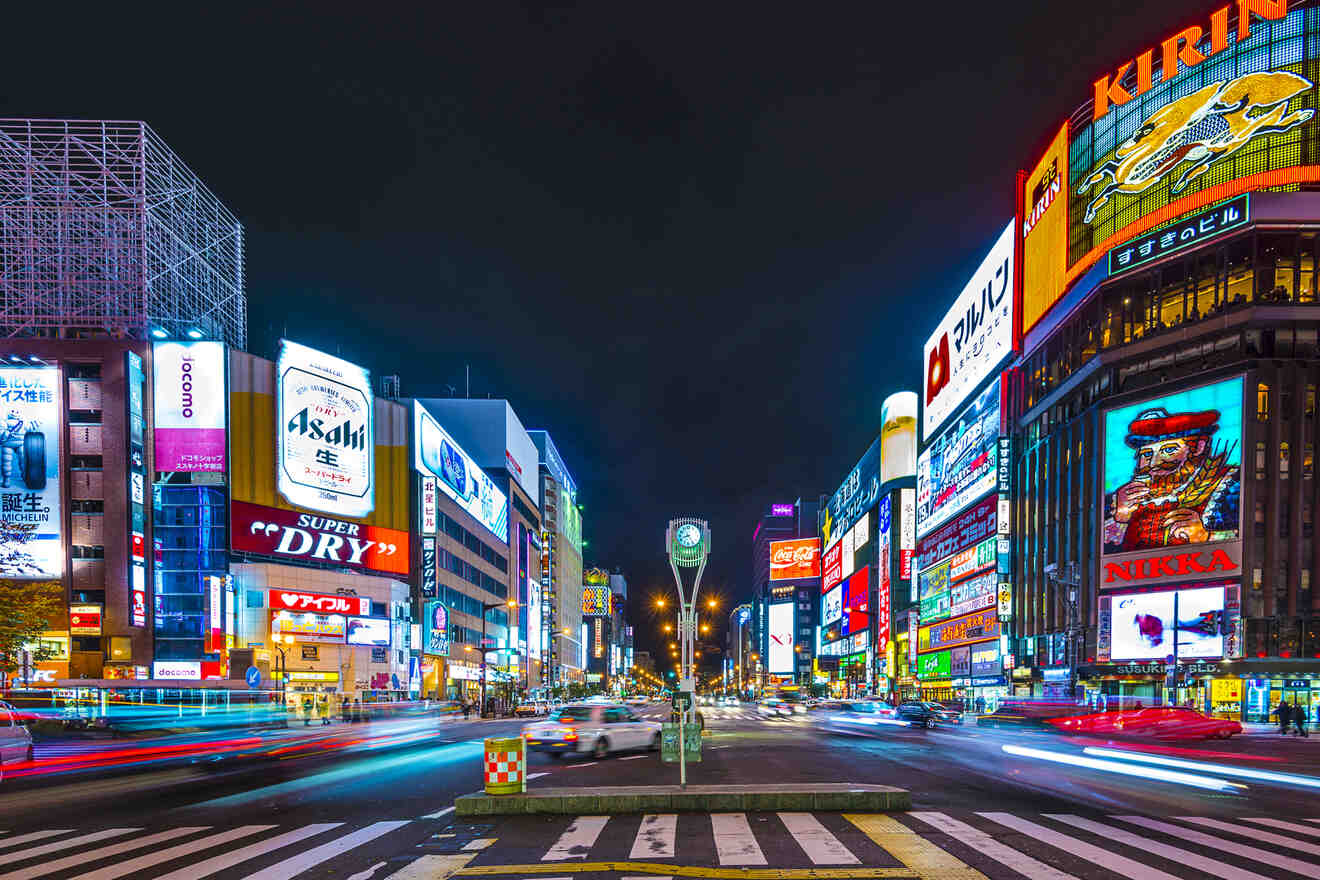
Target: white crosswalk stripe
46, 868
160, 857
822, 847
578, 840
33, 852
220, 863
1189, 835
734, 842
984, 843
295, 865
1094, 854
35, 835
1213, 867
655, 837
1286, 826
1254, 834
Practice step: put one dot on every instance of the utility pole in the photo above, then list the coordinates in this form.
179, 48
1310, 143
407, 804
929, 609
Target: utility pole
1069, 589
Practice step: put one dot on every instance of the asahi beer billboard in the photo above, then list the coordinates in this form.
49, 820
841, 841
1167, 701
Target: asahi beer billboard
30, 541
325, 430
189, 406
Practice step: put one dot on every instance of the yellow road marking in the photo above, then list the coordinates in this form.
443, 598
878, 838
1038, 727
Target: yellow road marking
433, 867
660, 869
922, 857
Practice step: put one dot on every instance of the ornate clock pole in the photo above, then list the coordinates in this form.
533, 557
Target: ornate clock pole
687, 542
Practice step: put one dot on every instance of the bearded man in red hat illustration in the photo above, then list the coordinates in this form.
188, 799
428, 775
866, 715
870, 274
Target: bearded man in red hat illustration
1183, 489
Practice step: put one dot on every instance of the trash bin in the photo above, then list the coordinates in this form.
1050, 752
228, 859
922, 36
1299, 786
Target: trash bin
506, 765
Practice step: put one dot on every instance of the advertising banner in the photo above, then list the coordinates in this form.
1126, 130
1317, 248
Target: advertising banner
1172, 478
973, 594
907, 532
436, 624
1146, 626
189, 399
974, 338
799, 558
832, 567
960, 662
858, 494
595, 601
960, 465
831, 606
966, 531
438, 454
883, 543
985, 659
30, 518
318, 603
898, 436
430, 508
857, 602
1187, 232
84, 620
309, 627
979, 626
1044, 217
782, 660
535, 621
369, 631
135, 382
326, 442
882, 620
429, 567
270, 531
936, 665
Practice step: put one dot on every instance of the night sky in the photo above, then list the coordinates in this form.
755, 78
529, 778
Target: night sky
699, 244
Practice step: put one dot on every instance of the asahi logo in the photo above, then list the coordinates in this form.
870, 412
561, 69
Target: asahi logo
343, 436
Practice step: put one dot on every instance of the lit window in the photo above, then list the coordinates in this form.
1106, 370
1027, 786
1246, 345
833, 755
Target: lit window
1260, 459
1284, 454
1262, 402
1308, 460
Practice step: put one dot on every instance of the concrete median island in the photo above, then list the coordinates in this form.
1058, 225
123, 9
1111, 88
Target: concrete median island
609, 800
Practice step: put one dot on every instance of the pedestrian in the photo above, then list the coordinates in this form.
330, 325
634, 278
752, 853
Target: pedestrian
307, 709
1284, 713
467, 710
980, 705
357, 709
324, 709
1299, 720
345, 710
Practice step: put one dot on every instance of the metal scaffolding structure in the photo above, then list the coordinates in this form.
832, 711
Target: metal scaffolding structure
105, 231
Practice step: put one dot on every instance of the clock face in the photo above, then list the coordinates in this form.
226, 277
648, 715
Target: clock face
688, 535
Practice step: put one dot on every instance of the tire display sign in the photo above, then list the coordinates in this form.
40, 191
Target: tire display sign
30, 541
325, 456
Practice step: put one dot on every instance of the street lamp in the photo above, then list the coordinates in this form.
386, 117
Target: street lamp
284, 674
485, 609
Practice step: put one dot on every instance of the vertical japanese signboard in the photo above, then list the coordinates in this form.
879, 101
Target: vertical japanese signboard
137, 487
189, 401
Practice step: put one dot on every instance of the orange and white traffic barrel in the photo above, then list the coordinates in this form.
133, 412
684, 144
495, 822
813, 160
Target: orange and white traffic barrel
506, 765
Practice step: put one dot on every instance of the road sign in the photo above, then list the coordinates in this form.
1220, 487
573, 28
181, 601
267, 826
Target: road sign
253, 677
682, 700
687, 684
669, 751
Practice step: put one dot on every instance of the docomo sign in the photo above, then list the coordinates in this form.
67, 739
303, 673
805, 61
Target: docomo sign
320, 603
269, 531
189, 411
794, 559
1182, 46
974, 337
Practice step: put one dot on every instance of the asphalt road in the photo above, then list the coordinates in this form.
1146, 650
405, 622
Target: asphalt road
983, 801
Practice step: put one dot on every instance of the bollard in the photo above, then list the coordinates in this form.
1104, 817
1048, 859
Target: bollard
506, 765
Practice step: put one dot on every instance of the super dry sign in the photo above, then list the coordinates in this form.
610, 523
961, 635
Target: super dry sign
1186, 46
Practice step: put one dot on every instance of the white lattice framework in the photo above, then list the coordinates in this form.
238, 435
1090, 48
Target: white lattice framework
104, 230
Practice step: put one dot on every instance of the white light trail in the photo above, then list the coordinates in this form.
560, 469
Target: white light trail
1126, 769
1241, 772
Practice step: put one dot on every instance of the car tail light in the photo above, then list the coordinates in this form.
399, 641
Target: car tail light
570, 734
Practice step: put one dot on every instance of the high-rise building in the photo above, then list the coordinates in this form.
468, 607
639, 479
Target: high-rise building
561, 564
785, 590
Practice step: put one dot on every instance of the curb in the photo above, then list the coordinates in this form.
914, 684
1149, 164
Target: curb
834, 797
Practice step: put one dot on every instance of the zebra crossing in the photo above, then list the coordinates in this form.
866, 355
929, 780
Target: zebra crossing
917, 844
191, 852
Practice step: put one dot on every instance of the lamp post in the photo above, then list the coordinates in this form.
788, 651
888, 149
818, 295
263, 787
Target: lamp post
283, 673
485, 609
687, 543
1069, 587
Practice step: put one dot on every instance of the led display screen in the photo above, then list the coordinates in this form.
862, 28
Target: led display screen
960, 465
1145, 626
1172, 479
535, 624
438, 454
831, 606
189, 411
935, 665
832, 566
326, 442
794, 559
780, 638
973, 338
857, 602
30, 544
595, 601
369, 631
898, 436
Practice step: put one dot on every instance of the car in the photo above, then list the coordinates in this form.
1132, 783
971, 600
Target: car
592, 729
636, 700
529, 709
15, 741
1156, 722
856, 717
775, 707
727, 700
920, 714
945, 714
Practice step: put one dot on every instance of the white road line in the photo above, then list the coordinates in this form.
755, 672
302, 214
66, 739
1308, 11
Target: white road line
1202, 863
1099, 857
251, 851
295, 865
433, 867
531, 776
35, 835
438, 813
478, 844
734, 841
634, 877
1286, 826
578, 840
822, 847
627, 758
1297, 866
655, 837
587, 764
119, 869
95, 855
1254, 834
988, 846
33, 851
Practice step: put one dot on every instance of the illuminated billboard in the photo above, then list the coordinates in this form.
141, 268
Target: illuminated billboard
1044, 218
595, 601
831, 606
1216, 110
832, 566
858, 494
189, 406
857, 602
438, 454
325, 434
973, 338
790, 560
898, 436
978, 626
535, 621
960, 465
1146, 626
935, 665
436, 624
1172, 480
782, 660
30, 543
374, 631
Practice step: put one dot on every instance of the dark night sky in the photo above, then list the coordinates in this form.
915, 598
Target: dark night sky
699, 244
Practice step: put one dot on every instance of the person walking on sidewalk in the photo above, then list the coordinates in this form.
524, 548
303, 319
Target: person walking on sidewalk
1284, 714
1299, 719
323, 709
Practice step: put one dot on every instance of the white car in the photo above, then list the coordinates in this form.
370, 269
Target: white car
637, 701
593, 730
15, 741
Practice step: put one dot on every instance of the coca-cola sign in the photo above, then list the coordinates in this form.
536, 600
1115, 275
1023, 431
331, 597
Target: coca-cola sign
269, 531
794, 559
319, 603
